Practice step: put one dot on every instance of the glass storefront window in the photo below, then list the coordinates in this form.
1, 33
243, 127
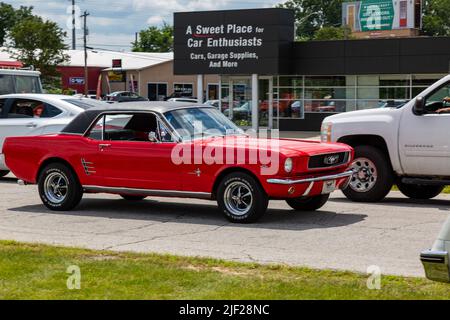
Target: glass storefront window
290, 93
326, 81
330, 93
289, 81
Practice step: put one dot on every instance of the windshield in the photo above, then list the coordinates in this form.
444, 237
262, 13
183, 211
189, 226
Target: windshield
194, 123
86, 103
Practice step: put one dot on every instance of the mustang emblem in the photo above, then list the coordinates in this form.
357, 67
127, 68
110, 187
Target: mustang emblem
330, 160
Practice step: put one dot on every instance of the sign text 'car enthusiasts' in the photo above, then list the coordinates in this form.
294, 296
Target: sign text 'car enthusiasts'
231, 42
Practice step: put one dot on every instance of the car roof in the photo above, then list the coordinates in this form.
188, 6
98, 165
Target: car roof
56, 99
84, 120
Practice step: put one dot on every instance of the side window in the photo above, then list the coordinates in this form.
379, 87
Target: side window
97, 130
129, 127
439, 101
164, 134
32, 109
2, 106
6, 84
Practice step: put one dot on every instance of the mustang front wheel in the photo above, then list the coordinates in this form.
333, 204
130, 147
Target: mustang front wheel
241, 198
308, 204
59, 188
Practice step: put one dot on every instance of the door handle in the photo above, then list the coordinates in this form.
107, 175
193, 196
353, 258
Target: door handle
103, 146
32, 125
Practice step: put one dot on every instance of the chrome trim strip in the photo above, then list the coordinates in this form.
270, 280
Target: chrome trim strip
308, 190
324, 178
149, 192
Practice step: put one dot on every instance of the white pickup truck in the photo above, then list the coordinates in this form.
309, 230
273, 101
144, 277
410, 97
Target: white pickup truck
408, 146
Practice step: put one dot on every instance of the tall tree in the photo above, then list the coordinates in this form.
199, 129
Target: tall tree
9, 17
155, 39
38, 43
312, 15
436, 18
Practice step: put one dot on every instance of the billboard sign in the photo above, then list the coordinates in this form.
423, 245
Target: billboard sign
232, 41
376, 15
380, 15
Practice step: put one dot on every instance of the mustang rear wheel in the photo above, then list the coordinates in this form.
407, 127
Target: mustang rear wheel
132, 198
59, 188
308, 204
3, 173
241, 198
419, 191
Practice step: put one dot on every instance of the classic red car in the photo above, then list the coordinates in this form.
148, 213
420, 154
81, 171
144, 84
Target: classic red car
166, 149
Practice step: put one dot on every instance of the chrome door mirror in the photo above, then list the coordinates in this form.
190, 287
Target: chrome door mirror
419, 106
152, 137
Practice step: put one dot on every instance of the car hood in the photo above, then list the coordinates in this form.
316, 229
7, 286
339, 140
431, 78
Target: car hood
287, 147
360, 114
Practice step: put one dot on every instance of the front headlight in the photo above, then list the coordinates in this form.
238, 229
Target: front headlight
288, 165
325, 132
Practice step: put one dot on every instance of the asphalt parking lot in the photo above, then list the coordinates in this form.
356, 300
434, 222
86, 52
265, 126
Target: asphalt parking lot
343, 235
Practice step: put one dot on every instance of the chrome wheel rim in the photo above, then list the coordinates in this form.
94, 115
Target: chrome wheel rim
238, 198
56, 187
365, 175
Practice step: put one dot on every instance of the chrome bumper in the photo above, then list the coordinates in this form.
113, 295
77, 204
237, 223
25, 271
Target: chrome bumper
436, 265
347, 174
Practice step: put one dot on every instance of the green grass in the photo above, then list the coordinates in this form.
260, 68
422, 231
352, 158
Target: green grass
30, 271
446, 189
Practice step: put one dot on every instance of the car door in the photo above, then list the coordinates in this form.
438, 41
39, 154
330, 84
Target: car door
24, 117
424, 140
125, 157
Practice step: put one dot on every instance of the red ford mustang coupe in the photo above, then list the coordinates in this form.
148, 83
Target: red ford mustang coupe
166, 149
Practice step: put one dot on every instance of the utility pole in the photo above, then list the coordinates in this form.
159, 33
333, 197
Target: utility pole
86, 73
74, 43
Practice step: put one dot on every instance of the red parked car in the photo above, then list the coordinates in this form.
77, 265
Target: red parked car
145, 149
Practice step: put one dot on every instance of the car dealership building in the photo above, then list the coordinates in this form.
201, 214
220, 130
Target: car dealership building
268, 80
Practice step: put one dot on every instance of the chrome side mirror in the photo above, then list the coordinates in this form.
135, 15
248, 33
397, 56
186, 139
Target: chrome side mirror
152, 137
419, 106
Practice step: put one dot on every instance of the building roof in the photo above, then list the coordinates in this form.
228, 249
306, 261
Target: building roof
130, 60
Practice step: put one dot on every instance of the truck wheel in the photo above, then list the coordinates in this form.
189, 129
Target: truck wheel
308, 204
419, 191
372, 179
3, 173
59, 188
132, 198
241, 198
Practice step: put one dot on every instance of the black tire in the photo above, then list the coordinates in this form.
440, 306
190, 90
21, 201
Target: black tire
372, 190
308, 204
255, 207
72, 194
420, 192
3, 173
132, 198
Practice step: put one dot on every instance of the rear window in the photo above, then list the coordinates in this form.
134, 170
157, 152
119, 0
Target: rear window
86, 103
25, 84
6, 84
19, 84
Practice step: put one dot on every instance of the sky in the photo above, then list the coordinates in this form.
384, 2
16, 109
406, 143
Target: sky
113, 23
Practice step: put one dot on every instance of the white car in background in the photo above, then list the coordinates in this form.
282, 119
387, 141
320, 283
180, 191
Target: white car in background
37, 114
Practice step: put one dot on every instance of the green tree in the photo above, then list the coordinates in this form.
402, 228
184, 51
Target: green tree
333, 33
436, 18
9, 17
39, 43
312, 15
155, 39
